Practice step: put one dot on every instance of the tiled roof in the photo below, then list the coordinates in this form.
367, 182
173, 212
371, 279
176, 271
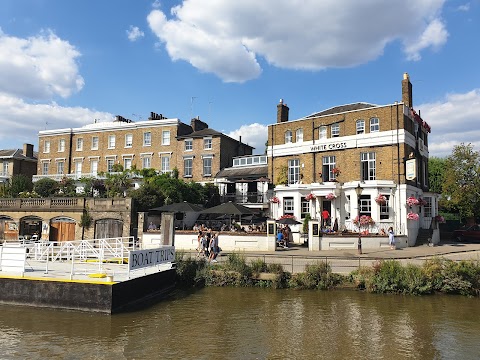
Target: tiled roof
16, 153
341, 109
206, 132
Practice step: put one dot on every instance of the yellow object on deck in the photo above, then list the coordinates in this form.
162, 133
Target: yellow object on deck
97, 275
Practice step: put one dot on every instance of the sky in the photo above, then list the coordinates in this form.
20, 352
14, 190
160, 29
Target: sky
66, 63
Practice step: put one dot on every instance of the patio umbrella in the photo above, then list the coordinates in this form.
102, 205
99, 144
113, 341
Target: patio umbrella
288, 221
181, 207
230, 209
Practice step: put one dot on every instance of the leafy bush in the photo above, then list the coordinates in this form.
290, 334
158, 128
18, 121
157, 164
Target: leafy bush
316, 276
258, 266
189, 271
46, 187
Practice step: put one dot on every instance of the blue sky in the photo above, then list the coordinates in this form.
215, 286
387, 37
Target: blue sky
66, 63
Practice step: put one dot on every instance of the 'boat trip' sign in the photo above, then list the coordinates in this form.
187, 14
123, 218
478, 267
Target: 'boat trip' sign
151, 257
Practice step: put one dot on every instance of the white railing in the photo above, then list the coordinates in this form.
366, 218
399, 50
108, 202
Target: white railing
82, 250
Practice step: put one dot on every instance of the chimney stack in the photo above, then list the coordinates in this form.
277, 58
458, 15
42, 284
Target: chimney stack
407, 91
282, 112
196, 124
28, 150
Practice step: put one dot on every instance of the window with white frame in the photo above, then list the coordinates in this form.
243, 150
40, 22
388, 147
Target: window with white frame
207, 143
127, 163
188, 144
147, 138
328, 164
46, 146
146, 162
365, 205
322, 132
61, 145
94, 166
335, 130
166, 137
188, 167
288, 136
94, 142
305, 207
128, 140
374, 125
78, 167
288, 206
5, 168
165, 164
111, 141
428, 207
45, 167
79, 144
293, 171
385, 209
368, 167
60, 167
207, 166
110, 163
299, 135
360, 126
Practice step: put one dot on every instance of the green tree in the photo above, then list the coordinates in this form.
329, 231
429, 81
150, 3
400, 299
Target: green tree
436, 174
17, 184
461, 187
67, 187
46, 187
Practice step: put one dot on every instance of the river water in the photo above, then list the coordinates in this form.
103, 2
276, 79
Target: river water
245, 323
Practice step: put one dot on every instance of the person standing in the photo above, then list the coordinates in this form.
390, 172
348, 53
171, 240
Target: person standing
325, 217
391, 238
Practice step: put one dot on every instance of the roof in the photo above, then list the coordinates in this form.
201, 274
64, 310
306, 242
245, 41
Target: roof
16, 154
244, 172
208, 132
341, 109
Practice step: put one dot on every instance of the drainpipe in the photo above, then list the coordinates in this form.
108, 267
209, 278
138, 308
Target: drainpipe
398, 167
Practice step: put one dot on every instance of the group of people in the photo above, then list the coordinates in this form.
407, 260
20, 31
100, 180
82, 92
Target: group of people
283, 236
208, 244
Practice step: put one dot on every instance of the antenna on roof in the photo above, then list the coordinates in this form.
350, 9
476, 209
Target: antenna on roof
46, 124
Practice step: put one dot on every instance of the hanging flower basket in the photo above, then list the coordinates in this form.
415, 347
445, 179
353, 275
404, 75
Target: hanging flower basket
275, 200
412, 216
310, 197
381, 199
440, 219
287, 216
422, 202
364, 220
330, 196
411, 201
336, 171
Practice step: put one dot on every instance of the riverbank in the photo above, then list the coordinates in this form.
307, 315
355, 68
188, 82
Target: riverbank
437, 274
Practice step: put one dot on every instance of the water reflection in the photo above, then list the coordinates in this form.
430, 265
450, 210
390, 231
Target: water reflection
221, 323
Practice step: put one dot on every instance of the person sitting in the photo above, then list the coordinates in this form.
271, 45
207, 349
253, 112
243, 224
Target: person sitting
152, 226
280, 238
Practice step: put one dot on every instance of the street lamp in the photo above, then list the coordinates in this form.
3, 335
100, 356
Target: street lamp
358, 190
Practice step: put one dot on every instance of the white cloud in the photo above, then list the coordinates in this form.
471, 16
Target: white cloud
228, 38
453, 120
254, 135
134, 33
40, 67
434, 36
21, 120
464, 7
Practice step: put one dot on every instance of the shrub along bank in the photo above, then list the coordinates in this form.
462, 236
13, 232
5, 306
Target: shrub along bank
438, 275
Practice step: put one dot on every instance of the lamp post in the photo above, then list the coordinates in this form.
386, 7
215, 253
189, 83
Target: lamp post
358, 190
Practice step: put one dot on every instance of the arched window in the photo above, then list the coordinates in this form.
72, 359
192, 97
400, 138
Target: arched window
360, 126
288, 136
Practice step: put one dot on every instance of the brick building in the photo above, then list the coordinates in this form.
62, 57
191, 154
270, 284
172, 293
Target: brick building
354, 159
159, 143
18, 161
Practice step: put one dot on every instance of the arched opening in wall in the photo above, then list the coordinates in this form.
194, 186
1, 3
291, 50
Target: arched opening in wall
62, 228
108, 228
31, 227
8, 228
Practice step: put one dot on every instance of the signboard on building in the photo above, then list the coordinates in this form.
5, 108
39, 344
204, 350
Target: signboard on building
329, 146
144, 258
411, 169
